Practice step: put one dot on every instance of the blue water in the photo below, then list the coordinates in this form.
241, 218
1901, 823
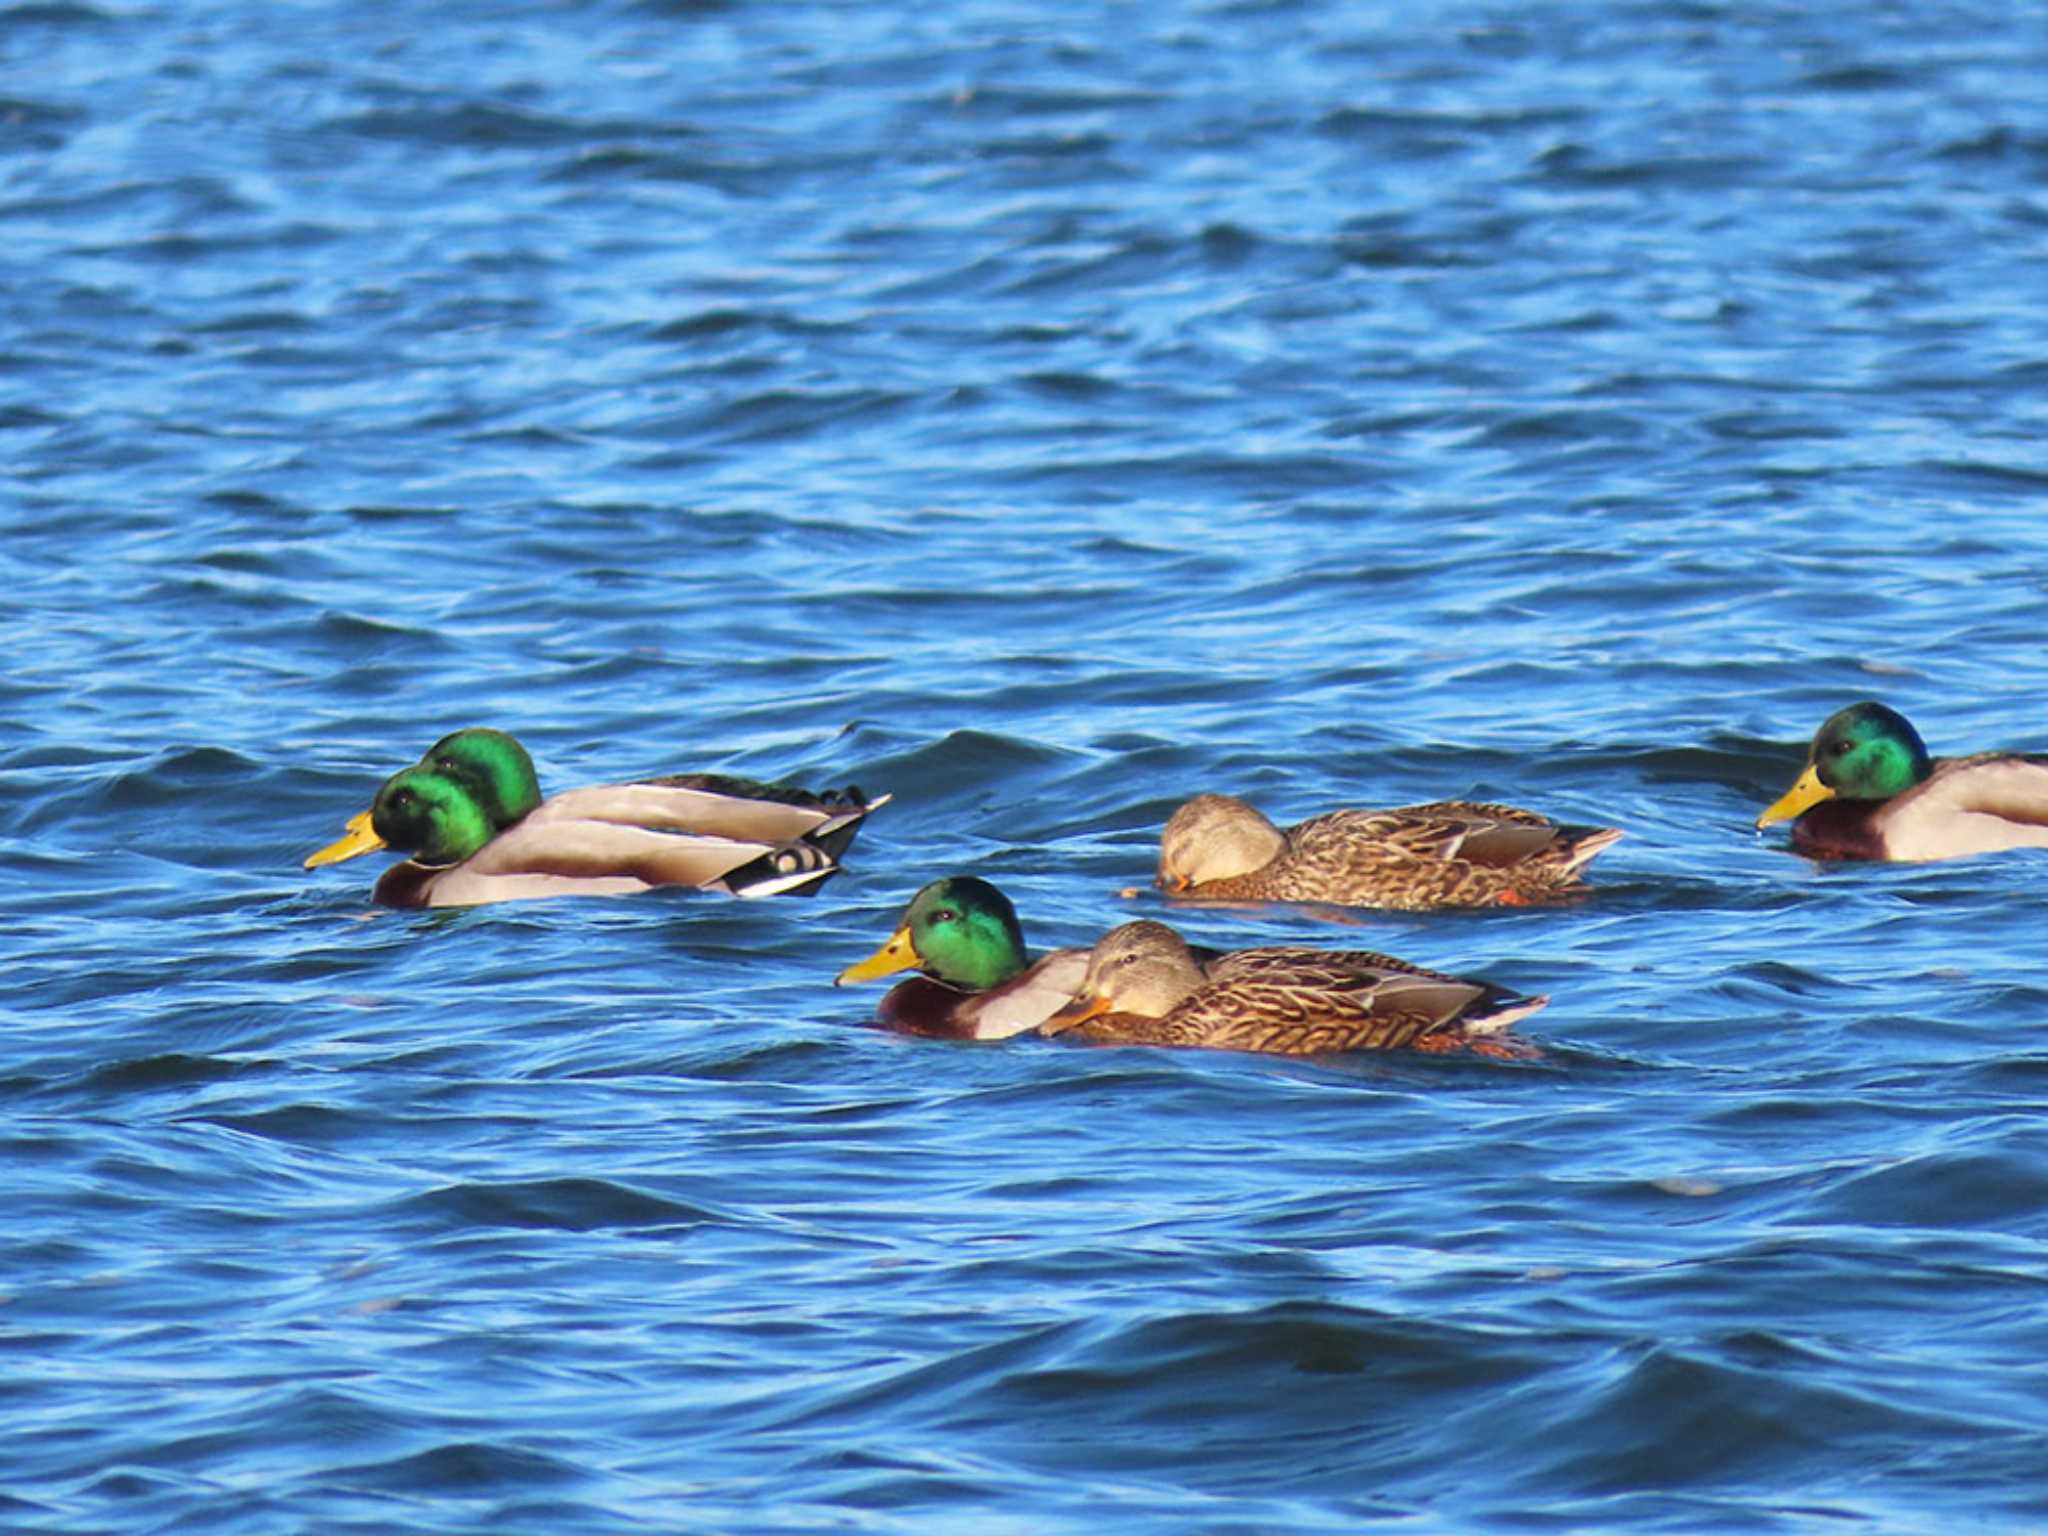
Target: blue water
1043, 412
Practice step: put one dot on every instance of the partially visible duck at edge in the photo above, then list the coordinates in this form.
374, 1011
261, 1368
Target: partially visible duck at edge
1449, 853
1871, 791
1143, 986
471, 816
977, 981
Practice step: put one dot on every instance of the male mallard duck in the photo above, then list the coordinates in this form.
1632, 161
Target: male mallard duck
470, 813
978, 984
1870, 791
1144, 987
1450, 853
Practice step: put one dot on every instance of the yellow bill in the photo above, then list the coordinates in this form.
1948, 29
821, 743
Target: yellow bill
1807, 791
895, 955
360, 838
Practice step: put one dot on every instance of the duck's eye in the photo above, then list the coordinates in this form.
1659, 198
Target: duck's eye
1130, 958
404, 797
1838, 747
945, 915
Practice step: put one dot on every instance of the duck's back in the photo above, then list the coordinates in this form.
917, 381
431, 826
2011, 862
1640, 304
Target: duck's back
1444, 853
701, 803
1311, 1001
1985, 803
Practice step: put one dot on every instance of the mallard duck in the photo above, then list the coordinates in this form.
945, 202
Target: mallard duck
471, 815
1449, 853
1870, 791
1144, 987
978, 983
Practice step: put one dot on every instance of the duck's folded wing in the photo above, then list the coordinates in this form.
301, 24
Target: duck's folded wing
1350, 966
1502, 843
1352, 999
2015, 788
1971, 805
1437, 831
682, 805
1496, 835
596, 853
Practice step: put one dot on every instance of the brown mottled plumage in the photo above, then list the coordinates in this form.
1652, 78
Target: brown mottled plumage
1449, 853
1144, 987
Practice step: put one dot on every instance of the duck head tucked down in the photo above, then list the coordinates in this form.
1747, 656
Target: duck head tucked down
1215, 837
1447, 853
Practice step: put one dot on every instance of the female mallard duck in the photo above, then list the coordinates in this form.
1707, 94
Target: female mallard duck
1144, 987
1450, 853
1870, 791
978, 983
471, 815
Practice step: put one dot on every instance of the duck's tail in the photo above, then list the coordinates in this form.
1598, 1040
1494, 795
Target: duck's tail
835, 834
797, 868
1583, 843
1498, 1012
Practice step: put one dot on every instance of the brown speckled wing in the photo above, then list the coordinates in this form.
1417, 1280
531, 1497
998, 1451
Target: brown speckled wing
1447, 853
1493, 835
1374, 858
1305, 1001
1477, 810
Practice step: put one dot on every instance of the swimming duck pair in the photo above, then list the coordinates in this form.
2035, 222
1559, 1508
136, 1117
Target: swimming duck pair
1143, 984
471, 815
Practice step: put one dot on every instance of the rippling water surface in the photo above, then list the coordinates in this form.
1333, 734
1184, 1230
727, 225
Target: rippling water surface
1042, 412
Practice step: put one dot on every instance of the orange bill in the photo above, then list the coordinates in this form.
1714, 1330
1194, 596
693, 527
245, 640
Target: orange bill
1079, 1011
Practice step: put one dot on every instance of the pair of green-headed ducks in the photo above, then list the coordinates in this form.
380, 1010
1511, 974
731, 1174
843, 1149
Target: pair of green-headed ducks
471, 814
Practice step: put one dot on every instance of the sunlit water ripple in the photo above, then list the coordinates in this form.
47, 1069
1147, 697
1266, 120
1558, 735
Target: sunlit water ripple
1041, 412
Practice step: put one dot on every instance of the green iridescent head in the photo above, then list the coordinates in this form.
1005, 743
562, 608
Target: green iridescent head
961, 930
1865, 752
436, 817
471, 785
496, 767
